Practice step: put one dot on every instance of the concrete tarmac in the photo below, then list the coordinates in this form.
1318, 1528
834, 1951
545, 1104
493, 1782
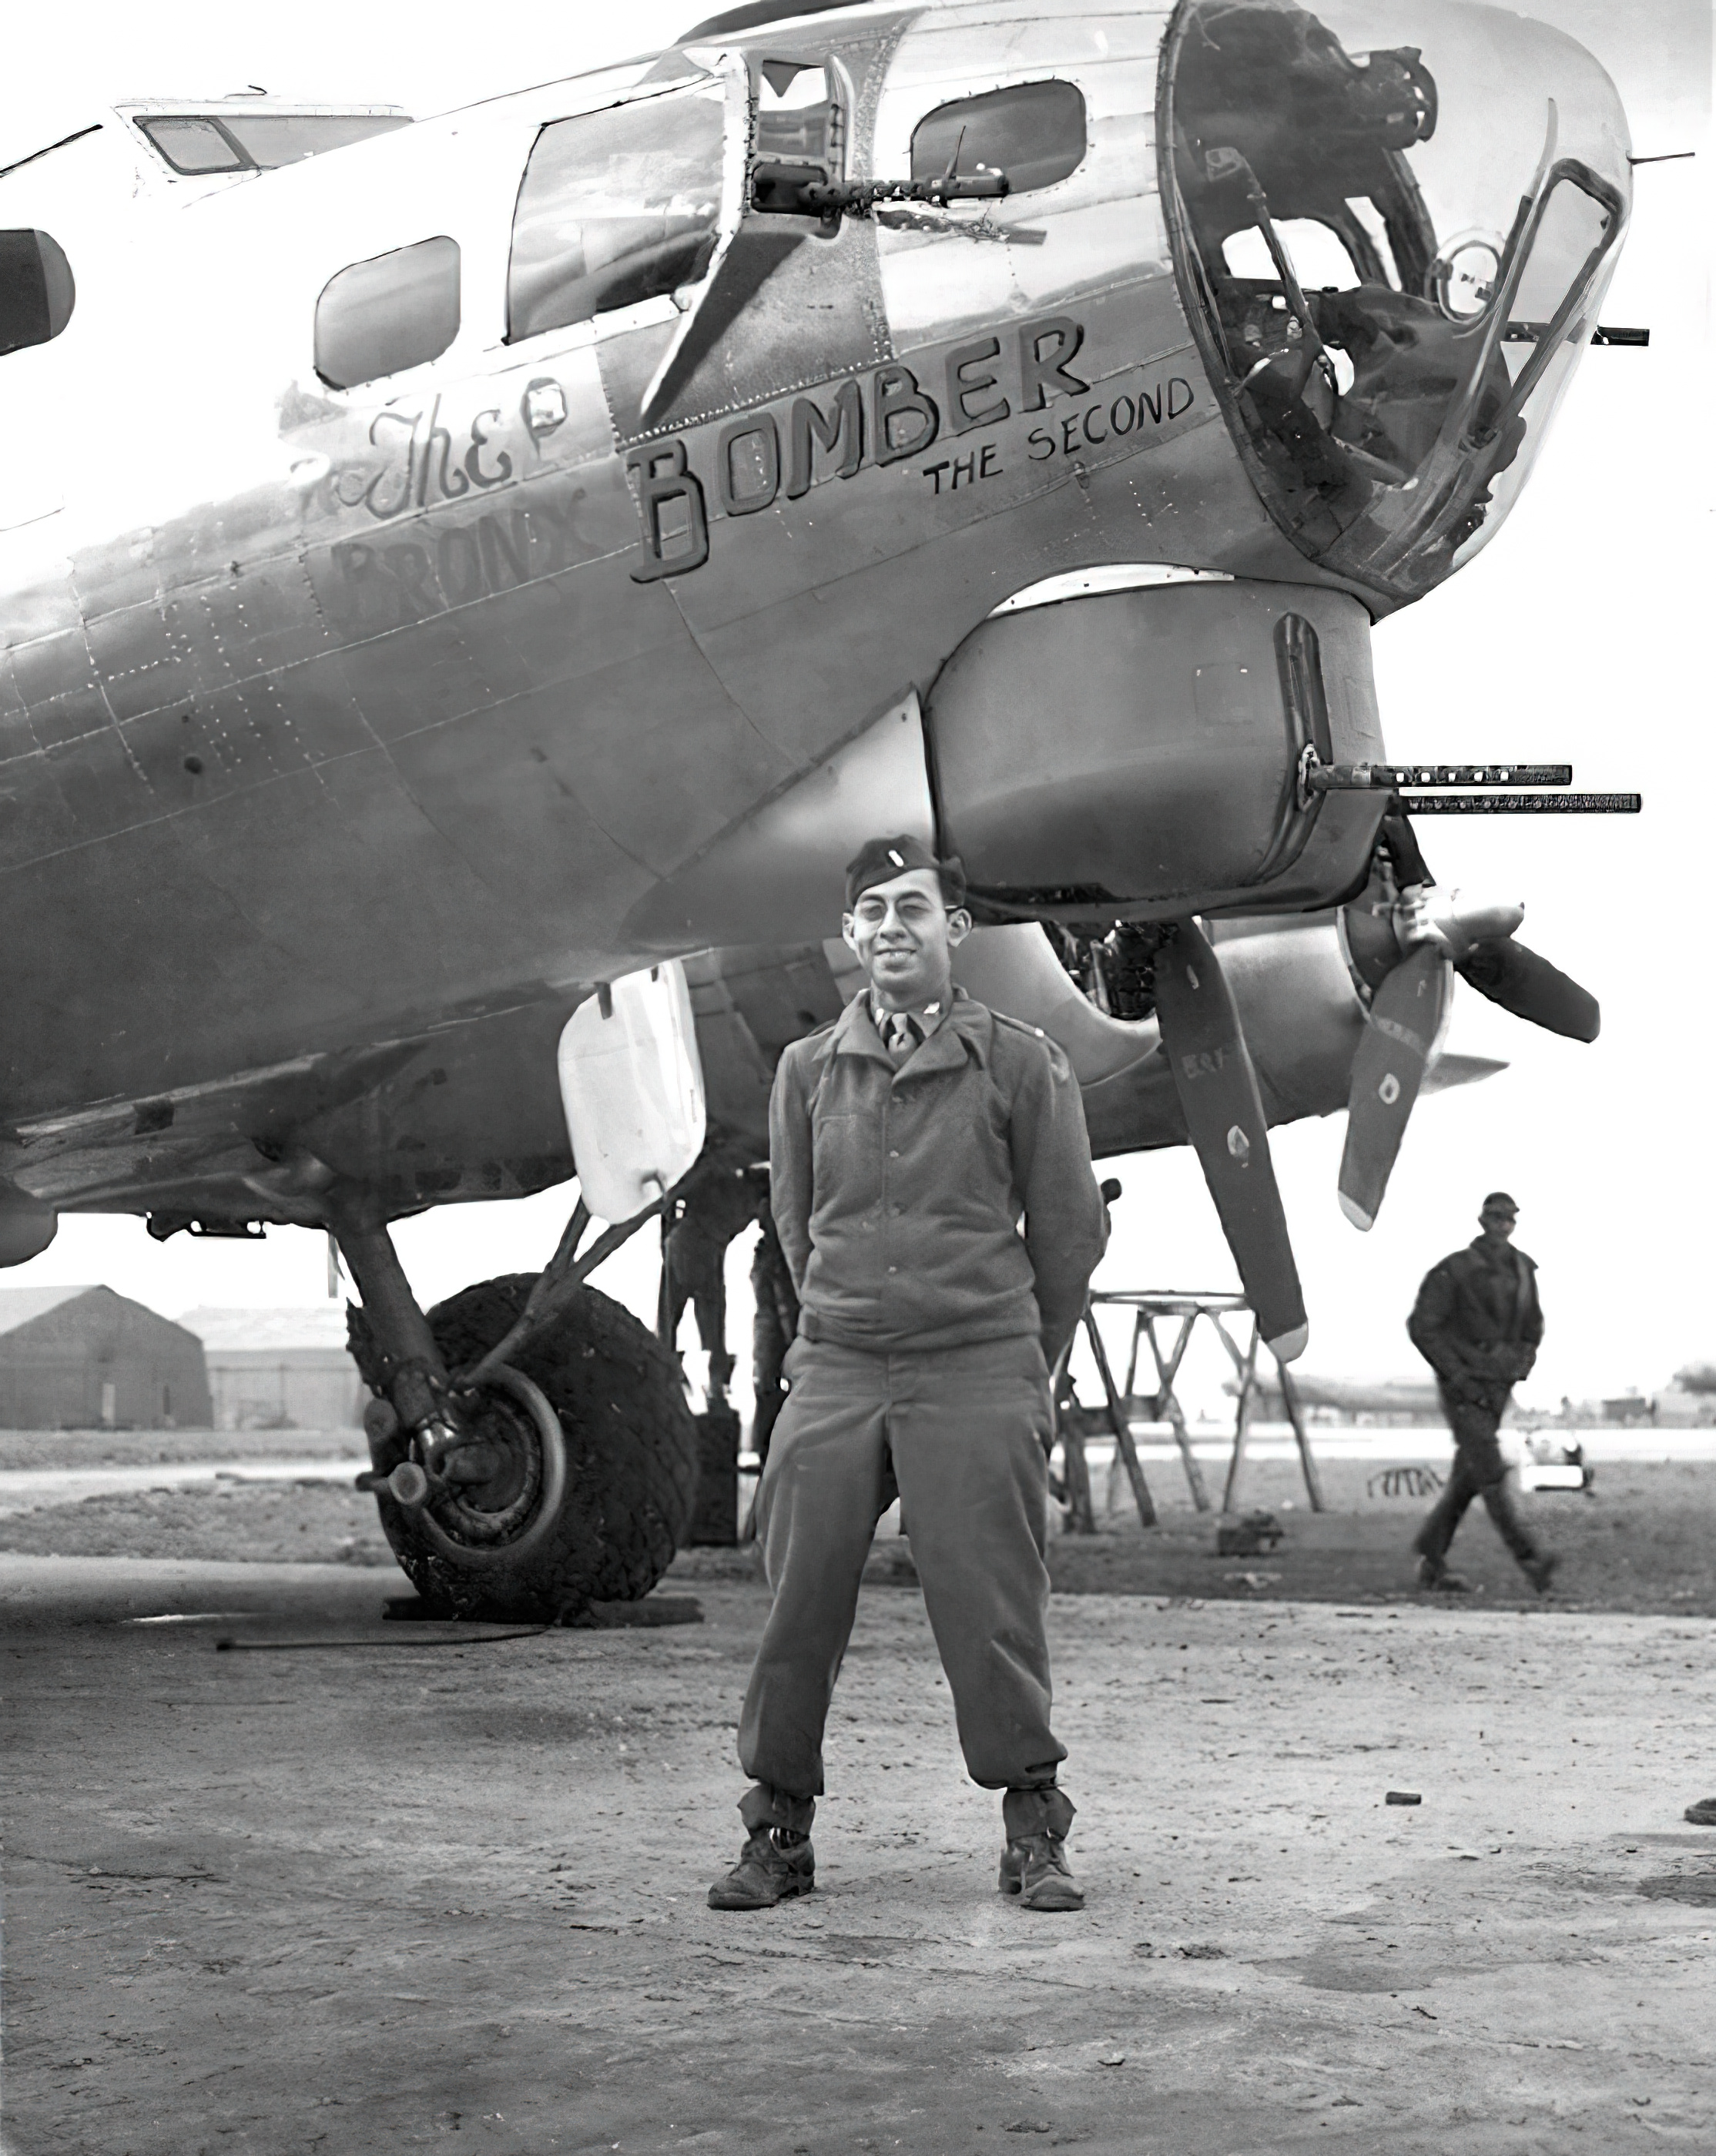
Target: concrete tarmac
359, 1898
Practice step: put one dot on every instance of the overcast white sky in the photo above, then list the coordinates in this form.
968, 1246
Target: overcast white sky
1581, 633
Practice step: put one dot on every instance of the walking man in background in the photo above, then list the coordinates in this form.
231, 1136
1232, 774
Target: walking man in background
907, 1142
1478, 1323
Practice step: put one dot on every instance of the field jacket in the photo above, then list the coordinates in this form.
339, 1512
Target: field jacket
898, 1192
1478, 1324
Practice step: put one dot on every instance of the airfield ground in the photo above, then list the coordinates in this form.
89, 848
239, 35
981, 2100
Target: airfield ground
359, 1898
1643, 1543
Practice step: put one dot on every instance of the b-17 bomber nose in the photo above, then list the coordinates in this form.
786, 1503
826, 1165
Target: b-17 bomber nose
1392, 255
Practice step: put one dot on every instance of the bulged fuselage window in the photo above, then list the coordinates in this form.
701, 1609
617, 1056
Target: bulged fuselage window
37, 293
1392, 256
1033, 131
616, 207
393, 311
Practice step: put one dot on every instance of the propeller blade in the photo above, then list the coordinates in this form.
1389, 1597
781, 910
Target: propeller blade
1405, 1017
1531, 988
1224, 1112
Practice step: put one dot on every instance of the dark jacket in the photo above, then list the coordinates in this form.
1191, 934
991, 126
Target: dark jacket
1477, 1323
898, 1192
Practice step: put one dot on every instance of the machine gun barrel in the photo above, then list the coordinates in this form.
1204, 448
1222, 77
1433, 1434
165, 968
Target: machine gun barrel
1522, 804
1390, 778
1490, 790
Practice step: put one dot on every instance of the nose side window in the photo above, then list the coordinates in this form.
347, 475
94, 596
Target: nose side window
393, 311
615, 207
1034, 132
37, 289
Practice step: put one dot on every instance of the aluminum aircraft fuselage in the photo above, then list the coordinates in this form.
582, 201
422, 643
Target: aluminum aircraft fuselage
349, 736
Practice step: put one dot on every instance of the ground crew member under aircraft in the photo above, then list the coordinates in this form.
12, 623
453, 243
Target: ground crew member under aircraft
906, 1142
1477, 1323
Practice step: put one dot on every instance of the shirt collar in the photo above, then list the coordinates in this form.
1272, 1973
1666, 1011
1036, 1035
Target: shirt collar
929, 1018
966, 1028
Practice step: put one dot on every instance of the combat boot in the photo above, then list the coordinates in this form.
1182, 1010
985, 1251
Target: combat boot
1034, 1863
1435, 1577
771, 1869
1541, 1570
1034, 1868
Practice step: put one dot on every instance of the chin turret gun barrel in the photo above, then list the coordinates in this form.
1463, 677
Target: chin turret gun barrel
1464, 789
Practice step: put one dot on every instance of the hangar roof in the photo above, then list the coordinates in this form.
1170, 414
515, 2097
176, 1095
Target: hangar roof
19, 1305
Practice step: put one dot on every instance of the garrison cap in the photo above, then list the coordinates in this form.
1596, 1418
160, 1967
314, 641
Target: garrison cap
1499, 1201
880, 860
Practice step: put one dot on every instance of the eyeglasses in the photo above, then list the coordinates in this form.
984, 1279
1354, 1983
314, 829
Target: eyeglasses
913, 909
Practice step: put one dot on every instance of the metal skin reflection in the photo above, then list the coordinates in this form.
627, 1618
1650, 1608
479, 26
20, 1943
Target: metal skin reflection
351, 735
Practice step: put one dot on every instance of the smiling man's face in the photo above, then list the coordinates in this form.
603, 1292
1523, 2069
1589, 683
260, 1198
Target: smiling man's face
904, 934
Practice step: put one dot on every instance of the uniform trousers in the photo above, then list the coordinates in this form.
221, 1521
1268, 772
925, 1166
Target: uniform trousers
958, 1434
1478, 1470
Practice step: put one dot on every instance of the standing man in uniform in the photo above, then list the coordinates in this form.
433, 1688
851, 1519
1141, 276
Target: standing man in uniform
1478, 1323
907, 1143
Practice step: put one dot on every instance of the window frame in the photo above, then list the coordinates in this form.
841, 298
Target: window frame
732, 79
394, 374
248, 166
999, 88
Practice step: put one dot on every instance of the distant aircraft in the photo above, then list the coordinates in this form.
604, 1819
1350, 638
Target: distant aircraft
1413, 1397
455, 581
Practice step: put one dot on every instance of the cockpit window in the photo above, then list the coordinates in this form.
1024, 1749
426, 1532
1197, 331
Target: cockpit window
192, 147
391, 312
37, 294
1033, 131
272, 139
196, 144
616, 207
1395, 254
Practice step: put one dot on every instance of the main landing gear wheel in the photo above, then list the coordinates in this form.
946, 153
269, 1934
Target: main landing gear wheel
582, 1473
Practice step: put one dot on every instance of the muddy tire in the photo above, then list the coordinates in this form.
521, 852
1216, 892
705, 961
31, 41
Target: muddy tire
629, 1471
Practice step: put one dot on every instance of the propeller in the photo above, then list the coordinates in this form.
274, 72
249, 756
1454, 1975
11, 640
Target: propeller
1407, 944
1217, 1086
1406, 1015
1532, 988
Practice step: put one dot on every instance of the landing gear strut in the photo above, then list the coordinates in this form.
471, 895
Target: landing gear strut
530, 1486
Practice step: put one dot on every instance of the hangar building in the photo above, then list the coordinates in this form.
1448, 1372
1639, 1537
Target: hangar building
280, 1369
86, 1358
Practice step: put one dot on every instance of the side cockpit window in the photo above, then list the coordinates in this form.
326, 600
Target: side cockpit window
616, 207
195, 144
37, 293
192, 147
393, 311
1034, 132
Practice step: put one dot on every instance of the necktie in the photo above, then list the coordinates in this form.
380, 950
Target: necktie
900, 1034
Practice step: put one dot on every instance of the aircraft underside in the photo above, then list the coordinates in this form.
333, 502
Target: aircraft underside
609, 507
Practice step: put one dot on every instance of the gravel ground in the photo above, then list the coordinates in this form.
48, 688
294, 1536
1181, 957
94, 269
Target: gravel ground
1643, 1543
299, 1522
358, 1900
